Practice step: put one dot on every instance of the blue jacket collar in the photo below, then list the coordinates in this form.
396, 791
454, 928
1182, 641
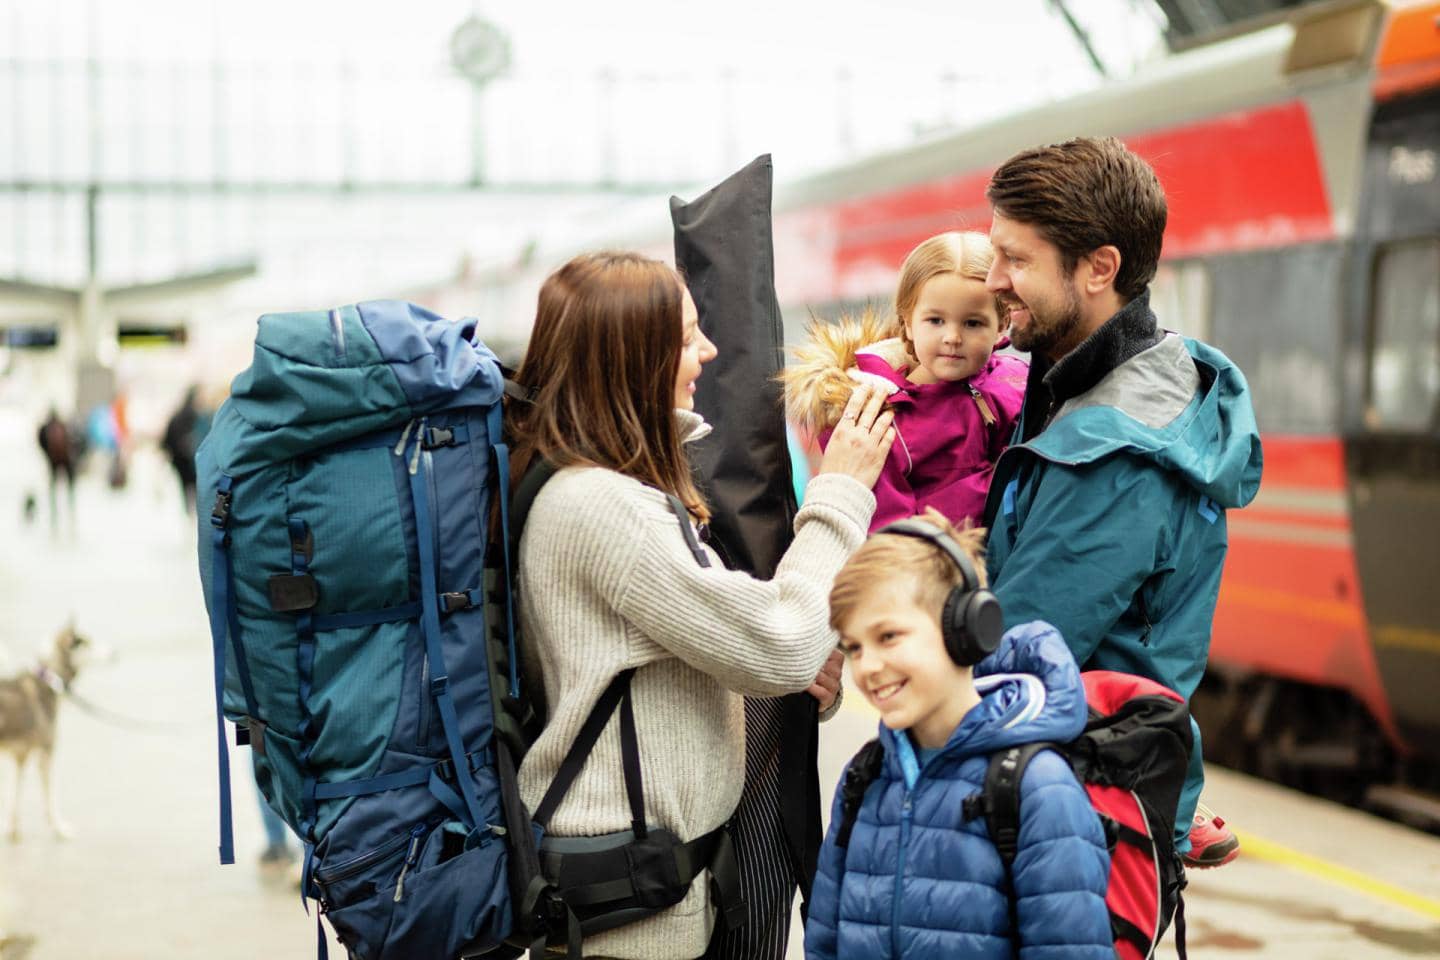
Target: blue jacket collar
1030, 691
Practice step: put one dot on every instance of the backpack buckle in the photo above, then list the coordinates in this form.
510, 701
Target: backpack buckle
303, 546
438, 437
450, 602
220, 513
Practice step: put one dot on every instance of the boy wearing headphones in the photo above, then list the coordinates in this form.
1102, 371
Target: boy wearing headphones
908, 869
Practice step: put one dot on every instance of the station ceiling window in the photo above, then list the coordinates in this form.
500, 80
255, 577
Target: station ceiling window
1193, 22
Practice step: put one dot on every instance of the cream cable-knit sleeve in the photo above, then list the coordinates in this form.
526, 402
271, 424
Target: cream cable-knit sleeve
757, 637
608, 541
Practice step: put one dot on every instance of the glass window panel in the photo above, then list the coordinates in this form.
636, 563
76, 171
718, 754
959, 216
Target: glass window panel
1405, 362
1180, 297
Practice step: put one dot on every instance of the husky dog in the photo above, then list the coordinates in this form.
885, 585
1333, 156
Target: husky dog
29, 702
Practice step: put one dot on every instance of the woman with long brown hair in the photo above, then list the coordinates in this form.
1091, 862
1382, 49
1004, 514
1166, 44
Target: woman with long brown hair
611, 582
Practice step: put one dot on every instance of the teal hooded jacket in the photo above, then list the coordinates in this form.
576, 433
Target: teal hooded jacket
1110, 522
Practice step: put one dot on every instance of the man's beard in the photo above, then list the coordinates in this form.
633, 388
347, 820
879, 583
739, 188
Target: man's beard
1047, 329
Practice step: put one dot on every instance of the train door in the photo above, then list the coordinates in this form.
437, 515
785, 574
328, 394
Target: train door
1393, 445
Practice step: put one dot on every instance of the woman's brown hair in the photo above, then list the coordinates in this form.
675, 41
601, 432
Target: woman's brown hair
601, 369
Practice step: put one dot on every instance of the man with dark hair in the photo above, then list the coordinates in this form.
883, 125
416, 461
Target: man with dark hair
1107, 515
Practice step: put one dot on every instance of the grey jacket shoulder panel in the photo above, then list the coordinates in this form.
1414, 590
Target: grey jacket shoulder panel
1153, 387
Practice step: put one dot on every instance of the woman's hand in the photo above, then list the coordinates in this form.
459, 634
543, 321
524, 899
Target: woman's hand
827, 682
861, 440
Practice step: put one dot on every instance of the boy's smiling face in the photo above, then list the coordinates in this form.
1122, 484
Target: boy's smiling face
898, 662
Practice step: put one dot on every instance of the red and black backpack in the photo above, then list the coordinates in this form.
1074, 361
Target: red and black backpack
1131, 759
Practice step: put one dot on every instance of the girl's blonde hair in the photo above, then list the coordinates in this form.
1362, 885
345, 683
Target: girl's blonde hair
912, 560
967, 254
601, 369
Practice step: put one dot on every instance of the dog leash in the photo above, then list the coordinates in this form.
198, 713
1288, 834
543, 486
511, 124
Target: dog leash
54, 682
120, 720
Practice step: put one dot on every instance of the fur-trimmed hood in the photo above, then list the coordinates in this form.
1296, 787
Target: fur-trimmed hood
836, 356
825, 371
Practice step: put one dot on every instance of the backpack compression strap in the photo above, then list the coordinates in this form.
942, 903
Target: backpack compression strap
224, 621
420, 482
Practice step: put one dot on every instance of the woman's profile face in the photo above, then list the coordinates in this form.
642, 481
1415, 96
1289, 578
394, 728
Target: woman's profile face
695, 349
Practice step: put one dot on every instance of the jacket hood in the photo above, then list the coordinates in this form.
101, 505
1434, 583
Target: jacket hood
1182, 404
818, 382
837, 356
1030, 692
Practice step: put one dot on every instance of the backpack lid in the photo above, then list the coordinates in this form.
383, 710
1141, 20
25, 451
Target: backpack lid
320, 378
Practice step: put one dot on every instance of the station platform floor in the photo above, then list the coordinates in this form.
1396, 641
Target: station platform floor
135, 776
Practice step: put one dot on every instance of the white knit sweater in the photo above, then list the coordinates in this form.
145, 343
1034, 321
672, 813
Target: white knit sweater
607, 582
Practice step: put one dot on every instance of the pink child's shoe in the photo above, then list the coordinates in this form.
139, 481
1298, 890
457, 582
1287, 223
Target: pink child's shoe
1212, 844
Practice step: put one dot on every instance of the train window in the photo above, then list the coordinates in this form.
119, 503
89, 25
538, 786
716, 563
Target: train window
1276, 313
1180, 297
1405, 337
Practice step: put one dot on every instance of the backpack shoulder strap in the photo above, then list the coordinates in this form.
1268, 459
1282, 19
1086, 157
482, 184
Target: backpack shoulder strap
999, 799
999, 802
683, 515
538, 474
863, 770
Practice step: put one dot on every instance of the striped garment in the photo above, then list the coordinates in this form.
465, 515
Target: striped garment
767, 876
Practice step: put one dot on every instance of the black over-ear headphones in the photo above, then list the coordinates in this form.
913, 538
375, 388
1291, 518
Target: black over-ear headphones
970, 622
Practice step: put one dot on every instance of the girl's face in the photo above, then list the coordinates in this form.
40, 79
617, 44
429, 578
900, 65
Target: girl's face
695, 349
954, 327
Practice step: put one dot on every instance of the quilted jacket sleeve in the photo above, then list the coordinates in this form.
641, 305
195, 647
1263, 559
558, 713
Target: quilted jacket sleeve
1061, 868
822, 927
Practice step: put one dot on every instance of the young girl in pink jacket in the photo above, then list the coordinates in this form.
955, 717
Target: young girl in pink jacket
955, 402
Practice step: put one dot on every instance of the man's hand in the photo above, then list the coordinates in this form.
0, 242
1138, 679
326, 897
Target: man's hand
827, 682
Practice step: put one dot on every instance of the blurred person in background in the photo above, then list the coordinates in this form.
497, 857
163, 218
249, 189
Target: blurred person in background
57, 443
105, 431
183, 432
278, 852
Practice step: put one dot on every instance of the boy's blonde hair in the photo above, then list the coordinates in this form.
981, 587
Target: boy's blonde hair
888, 555
967, 254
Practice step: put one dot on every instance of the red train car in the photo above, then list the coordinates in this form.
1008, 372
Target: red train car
1302, 166
1300, 163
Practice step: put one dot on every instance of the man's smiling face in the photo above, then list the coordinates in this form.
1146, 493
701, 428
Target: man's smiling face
1043, 307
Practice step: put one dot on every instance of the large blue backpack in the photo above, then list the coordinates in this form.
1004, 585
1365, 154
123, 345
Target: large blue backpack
365, 648
349, 479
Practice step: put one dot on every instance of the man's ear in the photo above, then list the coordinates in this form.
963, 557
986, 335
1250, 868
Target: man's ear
1104, 267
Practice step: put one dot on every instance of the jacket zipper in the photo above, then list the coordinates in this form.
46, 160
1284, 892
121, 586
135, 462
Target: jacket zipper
986, 413
905, 811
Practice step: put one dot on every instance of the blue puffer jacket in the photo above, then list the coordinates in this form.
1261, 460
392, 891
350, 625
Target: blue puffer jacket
918, 881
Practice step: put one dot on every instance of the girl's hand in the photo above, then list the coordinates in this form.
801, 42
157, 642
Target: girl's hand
827, 682
861, 440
